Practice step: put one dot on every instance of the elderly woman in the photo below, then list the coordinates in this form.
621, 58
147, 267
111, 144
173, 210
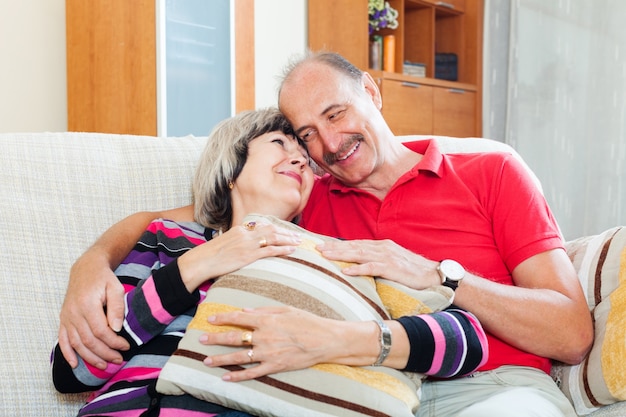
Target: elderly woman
169, 271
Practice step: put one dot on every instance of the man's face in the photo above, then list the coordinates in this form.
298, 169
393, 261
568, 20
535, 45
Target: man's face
336, 118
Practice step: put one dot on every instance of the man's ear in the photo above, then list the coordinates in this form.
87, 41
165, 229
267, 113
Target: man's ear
371, 88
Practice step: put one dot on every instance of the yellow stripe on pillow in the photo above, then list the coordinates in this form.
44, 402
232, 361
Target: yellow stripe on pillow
376, 379
205, 310
614, 347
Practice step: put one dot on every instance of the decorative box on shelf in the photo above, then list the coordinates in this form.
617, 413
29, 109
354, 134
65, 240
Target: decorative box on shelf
446, 66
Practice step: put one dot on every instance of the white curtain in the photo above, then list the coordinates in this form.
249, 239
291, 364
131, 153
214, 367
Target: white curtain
555, 89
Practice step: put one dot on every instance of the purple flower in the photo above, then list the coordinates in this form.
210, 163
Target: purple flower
383, 18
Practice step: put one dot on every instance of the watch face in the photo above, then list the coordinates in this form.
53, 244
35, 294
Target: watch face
452, 270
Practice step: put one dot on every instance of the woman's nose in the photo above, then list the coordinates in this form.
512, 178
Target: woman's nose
298, 158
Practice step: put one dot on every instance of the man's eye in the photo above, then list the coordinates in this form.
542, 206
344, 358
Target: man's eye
335, 115
307, 136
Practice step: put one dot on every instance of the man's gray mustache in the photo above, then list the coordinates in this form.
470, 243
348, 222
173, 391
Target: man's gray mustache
331, 158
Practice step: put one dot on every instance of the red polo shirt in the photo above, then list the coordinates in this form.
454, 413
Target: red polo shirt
481, 209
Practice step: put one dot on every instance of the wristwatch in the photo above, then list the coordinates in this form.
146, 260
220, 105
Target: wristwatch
451, 273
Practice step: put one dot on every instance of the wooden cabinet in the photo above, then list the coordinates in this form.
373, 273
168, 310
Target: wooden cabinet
411, 109
112, 82
454, 112
427, 29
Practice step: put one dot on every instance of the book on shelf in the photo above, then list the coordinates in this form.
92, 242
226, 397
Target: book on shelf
415, 69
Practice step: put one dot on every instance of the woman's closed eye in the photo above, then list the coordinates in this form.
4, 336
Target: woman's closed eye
280, 141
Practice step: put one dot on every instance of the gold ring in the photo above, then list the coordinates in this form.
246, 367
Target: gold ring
249, 225
246, 338
263, 242
250, 354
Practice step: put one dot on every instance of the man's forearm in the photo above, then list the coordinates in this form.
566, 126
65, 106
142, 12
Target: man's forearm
117, 242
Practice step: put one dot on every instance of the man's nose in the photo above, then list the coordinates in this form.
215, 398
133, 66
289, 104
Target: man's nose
330, 140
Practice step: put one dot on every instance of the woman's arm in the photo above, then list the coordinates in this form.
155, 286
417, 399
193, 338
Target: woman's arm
85, 327
445, 344
232, 250
287, 338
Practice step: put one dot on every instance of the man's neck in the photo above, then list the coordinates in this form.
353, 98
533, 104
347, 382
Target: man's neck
398, 161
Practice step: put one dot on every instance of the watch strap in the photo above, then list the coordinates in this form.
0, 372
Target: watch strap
451, 284
385, 342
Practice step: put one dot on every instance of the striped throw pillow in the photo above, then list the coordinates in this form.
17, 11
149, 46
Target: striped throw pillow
600, 379
305, 280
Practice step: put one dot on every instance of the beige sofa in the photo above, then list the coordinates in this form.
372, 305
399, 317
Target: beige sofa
59, 192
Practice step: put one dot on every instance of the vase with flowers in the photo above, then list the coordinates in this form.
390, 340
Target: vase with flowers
381, 16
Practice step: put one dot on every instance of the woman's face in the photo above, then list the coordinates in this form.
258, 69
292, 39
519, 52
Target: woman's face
275, 180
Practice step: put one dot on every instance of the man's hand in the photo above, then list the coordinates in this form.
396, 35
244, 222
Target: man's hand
84, 327
86, 330
383, 258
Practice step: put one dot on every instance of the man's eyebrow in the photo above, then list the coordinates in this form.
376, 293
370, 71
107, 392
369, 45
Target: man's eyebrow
299, 131
330, 108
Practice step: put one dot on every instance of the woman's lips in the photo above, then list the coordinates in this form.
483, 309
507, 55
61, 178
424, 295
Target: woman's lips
293, 175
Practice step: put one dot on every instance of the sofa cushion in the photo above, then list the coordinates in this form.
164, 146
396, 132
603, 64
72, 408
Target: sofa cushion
307, 280
60, 191
600, 379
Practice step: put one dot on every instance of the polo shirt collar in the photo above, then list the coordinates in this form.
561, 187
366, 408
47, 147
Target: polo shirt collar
433, 158
431, 162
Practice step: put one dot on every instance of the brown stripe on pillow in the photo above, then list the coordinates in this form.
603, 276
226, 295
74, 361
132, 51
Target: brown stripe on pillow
292, 389
189, 354
586, 385
279, 292
597, 292
599, 265
311, 265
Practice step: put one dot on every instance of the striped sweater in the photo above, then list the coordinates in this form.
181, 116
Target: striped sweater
158, 309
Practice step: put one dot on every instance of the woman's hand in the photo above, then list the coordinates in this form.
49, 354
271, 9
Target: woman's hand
383, 258
287, 338
234, 249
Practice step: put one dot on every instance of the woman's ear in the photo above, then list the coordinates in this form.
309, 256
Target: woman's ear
371, 88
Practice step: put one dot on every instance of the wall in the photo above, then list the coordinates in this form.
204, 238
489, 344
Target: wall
280, 32
556, 94
32, 74
32, 45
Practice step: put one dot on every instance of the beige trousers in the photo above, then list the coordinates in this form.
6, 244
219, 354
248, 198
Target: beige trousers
509, 391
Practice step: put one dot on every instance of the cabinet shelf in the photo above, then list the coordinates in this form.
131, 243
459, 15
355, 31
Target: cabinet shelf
421, 80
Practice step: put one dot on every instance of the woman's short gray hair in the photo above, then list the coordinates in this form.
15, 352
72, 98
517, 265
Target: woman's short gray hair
223, 158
